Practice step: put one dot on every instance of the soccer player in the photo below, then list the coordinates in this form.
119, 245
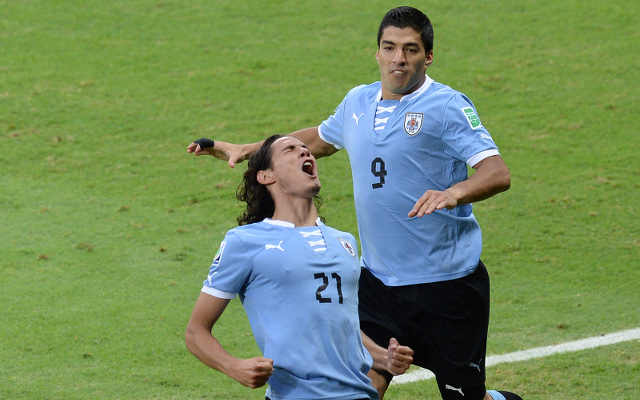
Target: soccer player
409, 141
297, 279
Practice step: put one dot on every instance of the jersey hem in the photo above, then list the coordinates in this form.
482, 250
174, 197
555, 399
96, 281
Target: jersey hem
419, 281
357, 396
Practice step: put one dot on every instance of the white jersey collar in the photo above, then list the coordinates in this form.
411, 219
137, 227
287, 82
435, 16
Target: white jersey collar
427, 82
287, 224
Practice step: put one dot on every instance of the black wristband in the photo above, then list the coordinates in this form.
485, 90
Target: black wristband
204, 143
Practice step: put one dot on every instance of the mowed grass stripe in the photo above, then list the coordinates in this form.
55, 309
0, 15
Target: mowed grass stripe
538, 352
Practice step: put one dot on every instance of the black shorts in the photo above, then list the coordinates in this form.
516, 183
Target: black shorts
445, 323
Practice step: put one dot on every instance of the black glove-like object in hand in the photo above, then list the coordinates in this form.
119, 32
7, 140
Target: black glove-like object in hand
204, 143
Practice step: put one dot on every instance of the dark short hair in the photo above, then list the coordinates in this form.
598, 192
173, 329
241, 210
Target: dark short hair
409, 17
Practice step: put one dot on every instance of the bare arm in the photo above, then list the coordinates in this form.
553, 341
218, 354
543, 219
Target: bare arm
490, 178
253, 372
235, 153
311, 138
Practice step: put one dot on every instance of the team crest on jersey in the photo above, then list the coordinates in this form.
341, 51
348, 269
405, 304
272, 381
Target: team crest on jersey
216, 259
413, 122
348, 247
472, 117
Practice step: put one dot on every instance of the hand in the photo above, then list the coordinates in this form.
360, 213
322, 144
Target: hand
253, 372
399, 357
201, 146
433, 200
234, 153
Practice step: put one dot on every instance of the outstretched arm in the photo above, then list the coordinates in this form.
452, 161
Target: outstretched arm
252, 372
311, 138
490, 178
235, 153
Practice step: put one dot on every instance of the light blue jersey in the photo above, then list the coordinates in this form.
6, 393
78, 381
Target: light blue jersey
398, 150
300, 292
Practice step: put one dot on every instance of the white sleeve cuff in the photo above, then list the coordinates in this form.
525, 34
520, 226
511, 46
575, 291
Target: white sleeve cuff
481, 156
218, 293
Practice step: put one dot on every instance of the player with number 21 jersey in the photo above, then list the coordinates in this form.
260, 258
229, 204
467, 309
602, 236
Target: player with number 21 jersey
298, 286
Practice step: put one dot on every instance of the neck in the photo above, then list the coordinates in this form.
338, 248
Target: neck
299, 213
388, 95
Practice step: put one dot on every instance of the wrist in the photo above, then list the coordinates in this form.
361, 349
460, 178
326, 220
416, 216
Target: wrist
380, 360
456, 194
249, 149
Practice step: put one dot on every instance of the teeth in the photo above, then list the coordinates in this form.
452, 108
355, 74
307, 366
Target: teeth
307, 167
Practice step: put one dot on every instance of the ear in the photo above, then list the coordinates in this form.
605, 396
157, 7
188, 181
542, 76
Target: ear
429, 59
378, 55
265, 177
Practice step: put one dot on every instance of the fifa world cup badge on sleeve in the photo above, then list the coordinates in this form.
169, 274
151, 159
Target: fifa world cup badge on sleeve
216, 259
472, 117
413, 122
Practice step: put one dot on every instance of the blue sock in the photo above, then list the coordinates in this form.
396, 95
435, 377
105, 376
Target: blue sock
503, 395
496, 395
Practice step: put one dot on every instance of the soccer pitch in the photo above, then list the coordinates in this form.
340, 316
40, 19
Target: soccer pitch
108, 226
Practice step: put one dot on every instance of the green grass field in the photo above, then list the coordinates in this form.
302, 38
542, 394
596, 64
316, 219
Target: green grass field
108, 226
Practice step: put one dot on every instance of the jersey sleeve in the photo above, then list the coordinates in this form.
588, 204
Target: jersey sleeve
465, 138
332, 129
230, 270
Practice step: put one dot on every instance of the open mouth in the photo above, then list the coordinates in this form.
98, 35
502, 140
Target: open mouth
307, 167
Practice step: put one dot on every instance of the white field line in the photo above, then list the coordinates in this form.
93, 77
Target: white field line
538, 352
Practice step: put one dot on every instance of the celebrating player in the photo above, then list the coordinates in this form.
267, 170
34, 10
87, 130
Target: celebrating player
297, 279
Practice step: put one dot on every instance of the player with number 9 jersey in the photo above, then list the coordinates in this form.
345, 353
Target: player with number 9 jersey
397, 150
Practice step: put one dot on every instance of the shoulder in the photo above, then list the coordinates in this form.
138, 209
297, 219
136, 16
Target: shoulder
249, 233
347, 241
334, 231
442, 91
253, 227
446, 99
371, 89
340, 234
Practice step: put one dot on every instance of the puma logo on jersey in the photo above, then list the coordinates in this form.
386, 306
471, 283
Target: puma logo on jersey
273, 246
211, 277
459, 390
357, 118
